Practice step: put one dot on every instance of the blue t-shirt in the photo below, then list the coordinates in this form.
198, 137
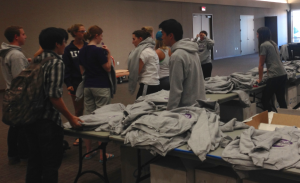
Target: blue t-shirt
92, 58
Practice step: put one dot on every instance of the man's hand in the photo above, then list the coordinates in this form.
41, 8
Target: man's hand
75, 122
70, 88
29, 60
197, 36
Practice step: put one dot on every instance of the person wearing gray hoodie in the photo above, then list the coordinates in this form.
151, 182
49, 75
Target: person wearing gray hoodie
13, 62
205, 45
186, 77
143, 64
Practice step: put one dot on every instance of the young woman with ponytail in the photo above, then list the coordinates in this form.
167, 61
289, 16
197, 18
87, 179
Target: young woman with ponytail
72, 71
95, 64
277, 75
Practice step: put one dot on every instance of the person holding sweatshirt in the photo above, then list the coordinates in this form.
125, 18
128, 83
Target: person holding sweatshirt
204, 46
13, 61
186, 77
164, 54
277, 75
72, 71
143, 64
95, 65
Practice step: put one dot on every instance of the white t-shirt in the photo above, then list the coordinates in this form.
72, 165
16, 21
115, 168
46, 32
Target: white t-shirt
149, 73
164, 64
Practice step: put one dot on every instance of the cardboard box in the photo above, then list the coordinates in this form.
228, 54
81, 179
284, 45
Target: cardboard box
234, 109
219, 175
291, 97
285, 117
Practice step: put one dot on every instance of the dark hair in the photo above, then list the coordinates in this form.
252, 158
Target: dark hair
264, 34
172, 26
74, 28
50, 36
64, 32
204, 32
91, 33
11, 31
141, 33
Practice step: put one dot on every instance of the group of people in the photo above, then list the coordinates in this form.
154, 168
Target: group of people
169, 63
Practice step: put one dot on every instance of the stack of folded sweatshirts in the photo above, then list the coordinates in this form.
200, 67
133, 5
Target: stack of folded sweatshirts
163, 131
107, 118
297, 64
242, 81
218, 84
259, 149
291, 69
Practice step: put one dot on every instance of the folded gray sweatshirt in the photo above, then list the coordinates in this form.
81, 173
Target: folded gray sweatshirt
204, 47
186, 77
133, 62
13, 61
258, 149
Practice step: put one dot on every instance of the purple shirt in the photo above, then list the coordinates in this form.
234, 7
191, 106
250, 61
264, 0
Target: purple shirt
92, 58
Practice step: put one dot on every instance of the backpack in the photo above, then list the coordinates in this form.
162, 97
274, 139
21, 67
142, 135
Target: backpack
24, 102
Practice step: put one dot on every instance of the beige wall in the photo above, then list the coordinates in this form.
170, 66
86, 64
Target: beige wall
120, 18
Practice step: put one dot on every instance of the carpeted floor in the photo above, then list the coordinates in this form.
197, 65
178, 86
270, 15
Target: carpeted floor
69, 167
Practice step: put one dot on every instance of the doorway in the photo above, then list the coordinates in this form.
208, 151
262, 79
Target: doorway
203, 22
247, 34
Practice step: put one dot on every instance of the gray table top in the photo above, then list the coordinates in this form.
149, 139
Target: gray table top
101, 136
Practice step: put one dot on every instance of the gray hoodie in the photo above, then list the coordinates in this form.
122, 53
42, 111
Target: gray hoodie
186, 77
13, 61
133, 62
204, 47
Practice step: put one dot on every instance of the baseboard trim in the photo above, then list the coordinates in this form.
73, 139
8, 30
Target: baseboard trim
219, 58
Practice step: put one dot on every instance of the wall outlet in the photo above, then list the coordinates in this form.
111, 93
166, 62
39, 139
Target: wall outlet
216, 51
118, 63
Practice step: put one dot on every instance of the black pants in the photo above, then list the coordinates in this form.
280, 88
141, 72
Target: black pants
274, 86
164, 83
150, 89
17, 143
45, 142
206, 69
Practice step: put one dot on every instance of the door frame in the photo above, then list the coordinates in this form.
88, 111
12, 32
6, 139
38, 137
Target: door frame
211, 29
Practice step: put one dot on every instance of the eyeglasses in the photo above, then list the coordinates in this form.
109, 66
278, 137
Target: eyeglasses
82, 31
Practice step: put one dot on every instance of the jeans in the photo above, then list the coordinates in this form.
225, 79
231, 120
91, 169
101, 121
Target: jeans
17, 144
274, 86
45, 142
206, 69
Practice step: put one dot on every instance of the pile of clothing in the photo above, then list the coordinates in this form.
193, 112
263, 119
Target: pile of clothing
259, 149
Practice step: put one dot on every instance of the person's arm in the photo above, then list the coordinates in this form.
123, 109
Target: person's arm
262, 59
176, 83
40, 50
107, 65
67, 61
81, 69
195, 40
18, 63
59, 104
141, 65
160, 54
54, 92
210, 43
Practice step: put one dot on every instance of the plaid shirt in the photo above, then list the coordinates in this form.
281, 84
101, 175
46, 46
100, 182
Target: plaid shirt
53, 81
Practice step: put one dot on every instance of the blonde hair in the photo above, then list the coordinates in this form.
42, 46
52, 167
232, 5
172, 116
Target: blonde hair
91, 33
148, 29
160, 44
74, 28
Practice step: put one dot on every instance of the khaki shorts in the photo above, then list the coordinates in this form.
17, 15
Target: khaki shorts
95, 98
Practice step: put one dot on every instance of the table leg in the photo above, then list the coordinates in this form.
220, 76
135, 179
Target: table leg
81, 157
